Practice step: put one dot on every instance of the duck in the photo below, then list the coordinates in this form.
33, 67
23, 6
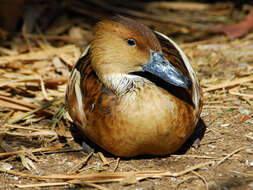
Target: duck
134, 91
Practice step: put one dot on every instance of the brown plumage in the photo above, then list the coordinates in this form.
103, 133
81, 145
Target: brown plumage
134, 92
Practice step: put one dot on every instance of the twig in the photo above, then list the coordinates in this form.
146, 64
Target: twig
219, 106
201, 177
49, 81
88, 184
50, 37
48, 104
43, 89
192, 168
41, 184
249, 137
193, 156
117, 164
240, 94
58, 115
184, 180
27, 128
229, 155
185, 6
111, 177
18, 102
229, 83
62, 183
44, 149
80, 164
39, 55
40, 133
241, 173
102, 157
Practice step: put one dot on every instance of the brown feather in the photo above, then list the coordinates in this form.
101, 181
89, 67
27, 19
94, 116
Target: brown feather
147, 119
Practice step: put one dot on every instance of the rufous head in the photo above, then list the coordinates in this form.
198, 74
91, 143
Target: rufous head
122, 46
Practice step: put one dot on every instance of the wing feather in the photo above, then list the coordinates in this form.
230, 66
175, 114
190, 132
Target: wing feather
178, 58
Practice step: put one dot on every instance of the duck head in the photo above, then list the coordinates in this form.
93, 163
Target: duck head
122, 47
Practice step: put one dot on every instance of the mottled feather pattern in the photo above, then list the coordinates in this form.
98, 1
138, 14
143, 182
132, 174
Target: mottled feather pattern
96, 97
92, 88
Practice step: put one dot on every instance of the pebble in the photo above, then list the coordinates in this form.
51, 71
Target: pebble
225, 125
173, 179
250, 133
249, 163
157, 183
249, 150
243, 111
243, 65
204, 114
249, 121
212, 146
70, 164
6, 166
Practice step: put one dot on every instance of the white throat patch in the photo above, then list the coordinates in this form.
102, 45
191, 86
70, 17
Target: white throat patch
122, 83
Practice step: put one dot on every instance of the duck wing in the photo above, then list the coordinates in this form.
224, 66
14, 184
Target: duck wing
178, 59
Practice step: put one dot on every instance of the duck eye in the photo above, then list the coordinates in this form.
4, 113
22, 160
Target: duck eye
131, 42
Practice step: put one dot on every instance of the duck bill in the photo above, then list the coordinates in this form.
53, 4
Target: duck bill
162, 68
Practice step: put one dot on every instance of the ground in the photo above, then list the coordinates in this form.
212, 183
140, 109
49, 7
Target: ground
35, 153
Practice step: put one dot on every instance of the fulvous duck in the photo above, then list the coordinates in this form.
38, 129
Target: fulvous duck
133, 92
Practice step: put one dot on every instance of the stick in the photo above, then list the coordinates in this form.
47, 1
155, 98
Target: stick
44, 149
80, 164
102, 157
48, 104
61, 183
39, 55
117, 164
249, 137
229, 155
111, 177
229, 83
201, 177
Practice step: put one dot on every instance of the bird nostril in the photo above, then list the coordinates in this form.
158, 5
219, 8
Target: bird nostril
164, 63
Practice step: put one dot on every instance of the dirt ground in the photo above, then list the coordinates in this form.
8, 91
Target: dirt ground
36, 154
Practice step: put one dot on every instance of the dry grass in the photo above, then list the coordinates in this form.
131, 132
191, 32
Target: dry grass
34, 71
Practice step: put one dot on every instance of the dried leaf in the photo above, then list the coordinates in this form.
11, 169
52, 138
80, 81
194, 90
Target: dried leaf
239, 29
